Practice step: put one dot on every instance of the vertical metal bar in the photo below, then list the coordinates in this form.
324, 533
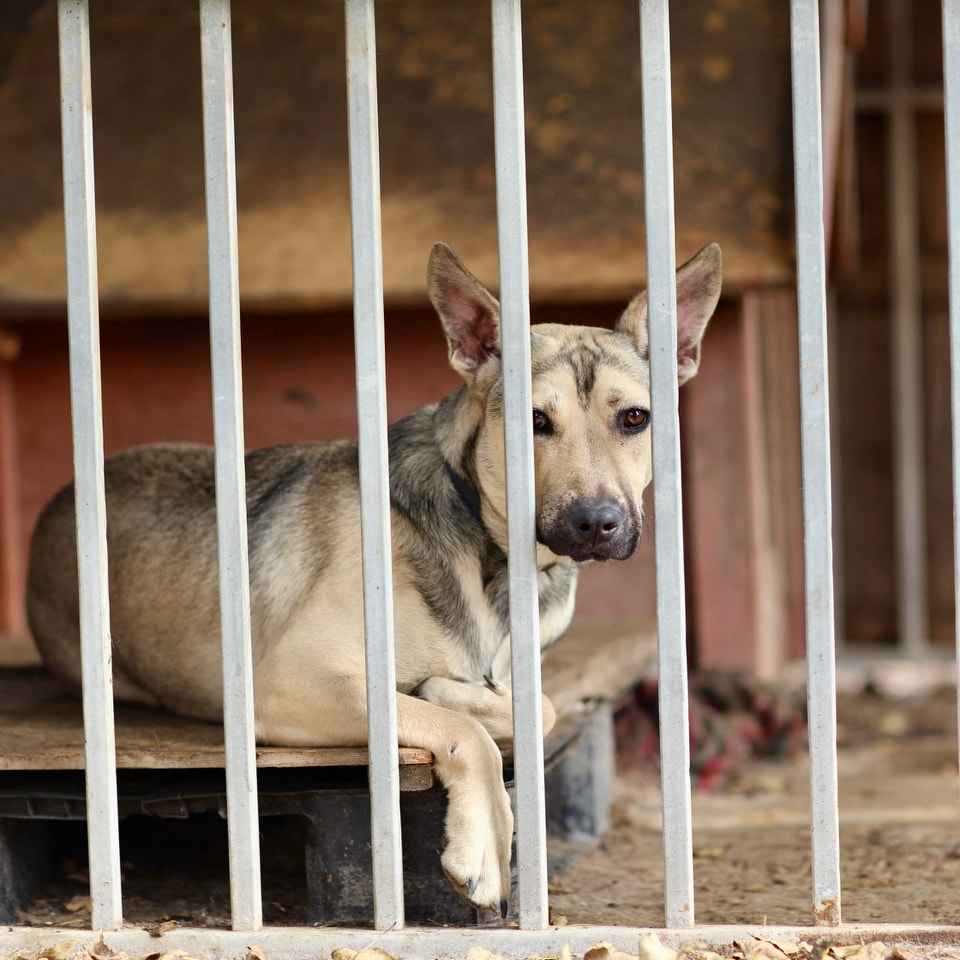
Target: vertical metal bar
238, 717
951, 85
83, 313
815, 438
906, 341
374, 463
518, 437
662, 321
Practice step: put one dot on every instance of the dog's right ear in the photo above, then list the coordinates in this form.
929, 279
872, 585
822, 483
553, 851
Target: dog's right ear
469, 313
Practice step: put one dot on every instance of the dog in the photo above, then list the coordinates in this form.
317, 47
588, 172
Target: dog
591, 421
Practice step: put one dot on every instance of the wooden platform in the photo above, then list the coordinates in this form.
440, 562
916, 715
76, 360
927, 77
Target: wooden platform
41, 728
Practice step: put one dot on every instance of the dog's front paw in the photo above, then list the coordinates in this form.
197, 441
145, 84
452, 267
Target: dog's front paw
479, 841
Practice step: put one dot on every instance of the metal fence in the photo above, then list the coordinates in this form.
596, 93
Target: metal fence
534, 934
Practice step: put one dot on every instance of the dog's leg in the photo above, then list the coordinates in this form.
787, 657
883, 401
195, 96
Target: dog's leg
487, 702
479, 823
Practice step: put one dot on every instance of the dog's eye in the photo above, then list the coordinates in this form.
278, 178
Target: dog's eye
634, 420
541, 424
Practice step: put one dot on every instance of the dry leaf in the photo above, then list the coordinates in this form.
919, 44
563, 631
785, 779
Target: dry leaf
607, 951
76, 904
600, 951
170, 955
59, 951
697, 951
763, 951
861, 951
256, 953
652, 949
343, 953
898, 953
100, 951
159, 929
787, 948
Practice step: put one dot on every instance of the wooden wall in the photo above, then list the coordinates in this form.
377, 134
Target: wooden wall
865, 401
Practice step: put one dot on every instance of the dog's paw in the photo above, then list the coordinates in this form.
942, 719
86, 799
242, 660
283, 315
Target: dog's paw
479, 840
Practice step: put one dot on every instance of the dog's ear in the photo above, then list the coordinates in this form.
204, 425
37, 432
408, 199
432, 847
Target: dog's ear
698, 291
469, 313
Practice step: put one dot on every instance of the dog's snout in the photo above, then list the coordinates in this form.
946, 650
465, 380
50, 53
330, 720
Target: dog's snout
593, 522
593, 528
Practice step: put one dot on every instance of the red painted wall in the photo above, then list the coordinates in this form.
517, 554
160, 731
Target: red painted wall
298, 386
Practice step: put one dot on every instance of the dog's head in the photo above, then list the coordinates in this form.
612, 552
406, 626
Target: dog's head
591, 403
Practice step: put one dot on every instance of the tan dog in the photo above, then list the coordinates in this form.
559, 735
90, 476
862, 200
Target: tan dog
593, 460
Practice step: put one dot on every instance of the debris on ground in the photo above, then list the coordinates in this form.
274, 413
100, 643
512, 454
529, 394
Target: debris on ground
650, 948
900, 844
733, 721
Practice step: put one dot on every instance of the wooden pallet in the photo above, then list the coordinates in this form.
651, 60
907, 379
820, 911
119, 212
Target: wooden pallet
41, 728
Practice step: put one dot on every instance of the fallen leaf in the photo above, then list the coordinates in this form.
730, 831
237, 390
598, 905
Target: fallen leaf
697, 951
76, 904
59, 951
256, 953
343, 953
652, 949
600, 951
100, 951
861, 951
898, 953
787, 947
159, 929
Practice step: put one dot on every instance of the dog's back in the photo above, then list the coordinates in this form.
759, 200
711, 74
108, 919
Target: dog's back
162, 548
161, 532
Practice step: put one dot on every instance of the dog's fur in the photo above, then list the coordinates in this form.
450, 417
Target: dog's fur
593, 461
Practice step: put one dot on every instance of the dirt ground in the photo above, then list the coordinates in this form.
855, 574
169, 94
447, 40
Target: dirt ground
900, 843
900, 832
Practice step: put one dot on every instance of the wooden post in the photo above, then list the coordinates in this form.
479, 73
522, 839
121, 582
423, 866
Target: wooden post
12, 621
743, 488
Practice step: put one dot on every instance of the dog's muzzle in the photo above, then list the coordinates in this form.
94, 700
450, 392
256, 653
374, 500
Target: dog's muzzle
594, 529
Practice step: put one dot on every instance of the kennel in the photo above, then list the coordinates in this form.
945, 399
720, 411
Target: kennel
535, 934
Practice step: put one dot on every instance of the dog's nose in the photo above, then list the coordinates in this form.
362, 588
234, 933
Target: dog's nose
594, 522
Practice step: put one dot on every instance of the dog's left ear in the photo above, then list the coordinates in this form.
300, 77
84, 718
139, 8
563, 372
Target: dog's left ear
698, 291
469, 313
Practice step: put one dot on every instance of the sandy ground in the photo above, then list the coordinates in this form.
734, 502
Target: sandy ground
900, 843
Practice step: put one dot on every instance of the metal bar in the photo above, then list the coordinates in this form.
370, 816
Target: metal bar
906, 355
815, 437
308, 943
951, 84
364, 145
238, 717
83, 313
518, 438
671, 603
